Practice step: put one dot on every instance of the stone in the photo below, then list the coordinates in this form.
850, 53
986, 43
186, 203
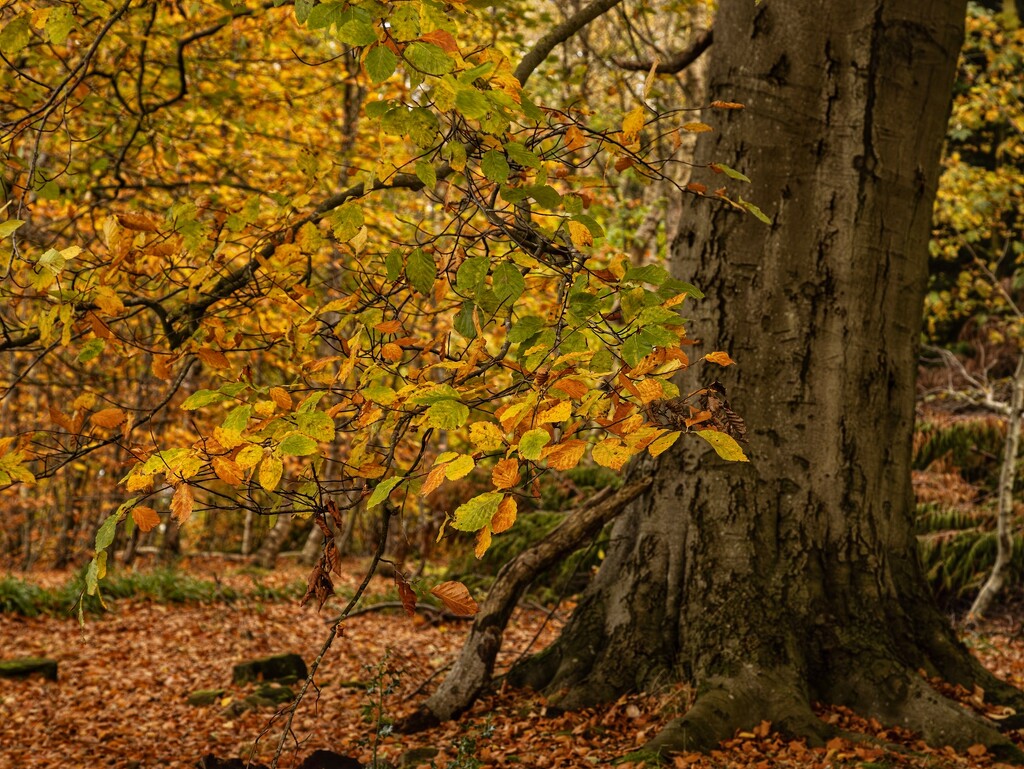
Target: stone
203, 697
327, 759
280, 667
275, 693
416, 757
22, 667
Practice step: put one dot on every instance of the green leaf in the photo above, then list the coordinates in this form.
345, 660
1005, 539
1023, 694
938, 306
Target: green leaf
724, 445
357, 31
380, 63
382, 490
494, 166
525, 328
650, 273
425, 173
470, 277
521, 155
435, 394
346, 221
237, 418
15, 35
298, 445
471, 103
477, 512
315, 424
447, 414
459, 467
732, 173
635, 349
463, 323
757, 212
91, 349
7, 228
393, 264
421, 271
381, 394
508, 283
532, 442
429, 58
302, 9
59, 23
201, 398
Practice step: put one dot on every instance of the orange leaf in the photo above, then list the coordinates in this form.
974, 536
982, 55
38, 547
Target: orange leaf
727, 105
137, 222
721, 358
214, 358
146, 518
506, 515
434, 479
574, 139
181, 503
227, 470
389, 326
442, 38
697, 187
456, 598
977, 750
282, 398
565, 455
391, 352
697, 127
483, 541
505, 474
108, 417
574, 388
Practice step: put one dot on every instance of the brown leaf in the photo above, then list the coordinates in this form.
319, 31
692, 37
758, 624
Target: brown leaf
332, 508
146, 518
214, 358
505, 474
406, 594
483, 541
721, 358
389, 326
977, 750
137, 222
434, 479
565, 455
282, 398
444, 39
727, 105
318, 584
108, 417
391, 352
181, 503
331, 558
456, 598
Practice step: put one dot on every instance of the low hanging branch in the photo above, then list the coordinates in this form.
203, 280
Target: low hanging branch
472, 670
678, 62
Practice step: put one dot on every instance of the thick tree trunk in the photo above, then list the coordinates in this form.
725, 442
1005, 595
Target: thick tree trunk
795, 578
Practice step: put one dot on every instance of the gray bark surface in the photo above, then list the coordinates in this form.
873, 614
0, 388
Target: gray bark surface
795, 578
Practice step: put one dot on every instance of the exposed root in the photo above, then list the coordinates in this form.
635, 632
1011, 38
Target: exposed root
742, 702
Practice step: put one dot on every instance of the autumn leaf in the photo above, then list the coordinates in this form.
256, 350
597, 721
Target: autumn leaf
434, 479
270, 472
505, 474
213, 358
282, 398
727, 105
611, 453
406, 595
632, 123
721, 358
146, 518
724, 445
663, 444
182, 502
483, 541
697, 127
558, 413
574, 139
506, 515
227, 470
565, 455
580, 235
456, 598
108, 418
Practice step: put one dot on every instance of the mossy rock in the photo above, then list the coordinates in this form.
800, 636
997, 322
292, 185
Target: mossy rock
203, 697
22, 667
275, 693
280, 667
416, 757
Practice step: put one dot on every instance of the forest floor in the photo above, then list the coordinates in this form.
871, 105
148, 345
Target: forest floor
120, 700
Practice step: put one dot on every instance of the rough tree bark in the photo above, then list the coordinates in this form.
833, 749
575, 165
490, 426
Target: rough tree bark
795, 578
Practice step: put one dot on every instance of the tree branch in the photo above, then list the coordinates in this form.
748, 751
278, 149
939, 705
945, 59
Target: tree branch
560, 34
678, 62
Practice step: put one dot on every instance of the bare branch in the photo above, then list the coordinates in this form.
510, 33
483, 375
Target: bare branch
536, 55
679, 61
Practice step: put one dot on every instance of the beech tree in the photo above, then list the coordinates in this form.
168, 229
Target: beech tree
794, 578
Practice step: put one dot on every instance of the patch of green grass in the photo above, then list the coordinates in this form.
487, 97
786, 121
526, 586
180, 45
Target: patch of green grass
162, 585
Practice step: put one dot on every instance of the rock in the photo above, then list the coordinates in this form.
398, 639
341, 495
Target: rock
281, 668
203, 697
416, 757
22, 667
275, 693
210, 761
327, 759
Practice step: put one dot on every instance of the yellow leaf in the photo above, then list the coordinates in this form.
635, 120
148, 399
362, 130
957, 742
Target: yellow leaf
486, 436
557, 413
611, 453
580, 235
434, 479
227, 470
565, 455
506, 515
181, 503
724, 445
456, 598
108, 417
271, 470
249, 456
483, 541
727, 105
505, 474
697, 127
459, 467
650, 390
137, 482
282, 398
632, 123
663, 444
146, 518
721, 358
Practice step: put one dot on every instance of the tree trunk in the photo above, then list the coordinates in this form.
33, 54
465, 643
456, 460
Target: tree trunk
266, 555
794, 578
